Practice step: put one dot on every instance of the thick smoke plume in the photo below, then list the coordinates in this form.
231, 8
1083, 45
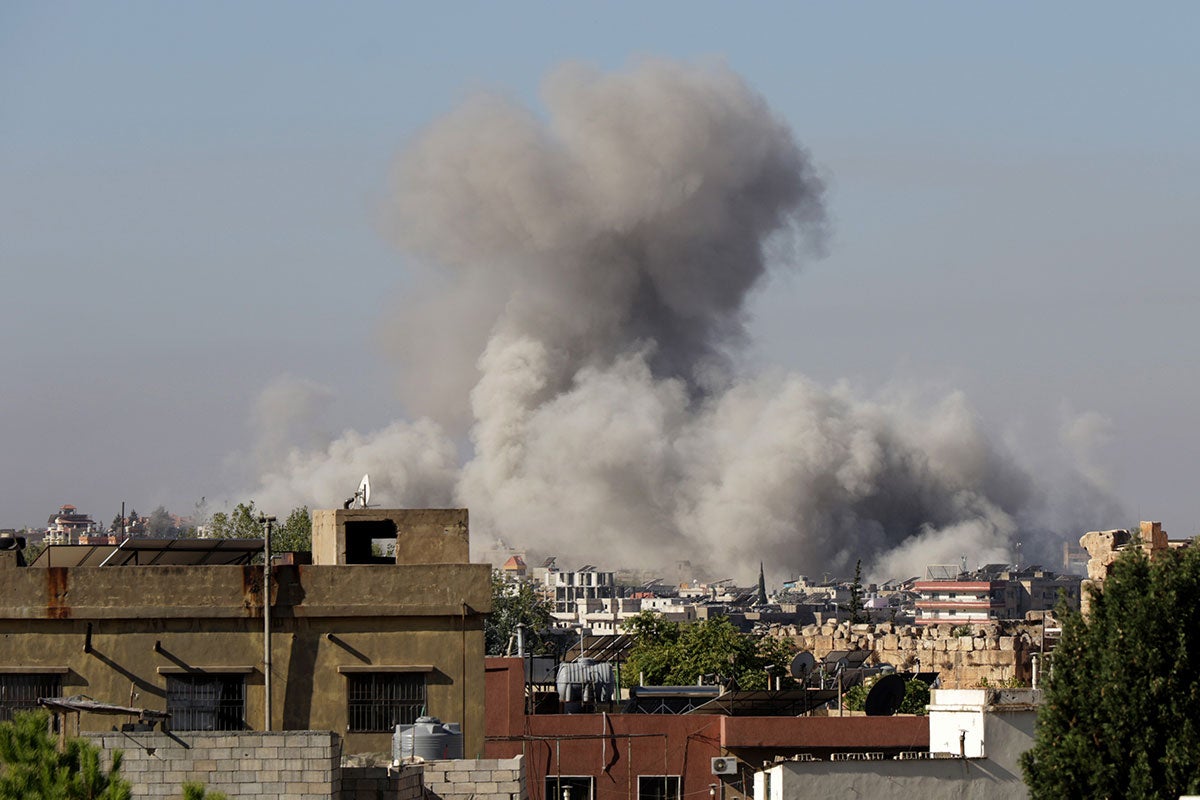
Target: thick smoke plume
581, 305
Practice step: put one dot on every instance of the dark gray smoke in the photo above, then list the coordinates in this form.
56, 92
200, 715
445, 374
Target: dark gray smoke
584, 283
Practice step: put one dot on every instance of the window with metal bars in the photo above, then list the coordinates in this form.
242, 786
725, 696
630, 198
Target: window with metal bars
207, 702
569, 787
379, 701
20, 692
658, 787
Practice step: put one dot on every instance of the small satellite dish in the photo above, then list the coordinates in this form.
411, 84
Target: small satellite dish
885, 696
364, 491
802, 664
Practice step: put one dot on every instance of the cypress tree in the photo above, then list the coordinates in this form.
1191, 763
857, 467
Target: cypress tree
1119, 717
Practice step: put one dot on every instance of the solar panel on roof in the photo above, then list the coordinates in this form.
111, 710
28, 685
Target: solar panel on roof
151, 552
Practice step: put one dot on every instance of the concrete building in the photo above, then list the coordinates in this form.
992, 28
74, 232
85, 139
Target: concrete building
358, 643
670, 756
976, 737
566, 588
67, 525
993, 592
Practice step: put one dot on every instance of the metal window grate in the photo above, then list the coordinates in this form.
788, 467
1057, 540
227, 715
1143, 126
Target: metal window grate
20, 692
658, 787
569, 787
207, 702
379, 701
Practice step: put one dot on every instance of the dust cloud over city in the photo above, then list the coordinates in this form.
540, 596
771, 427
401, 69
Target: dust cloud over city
569, 342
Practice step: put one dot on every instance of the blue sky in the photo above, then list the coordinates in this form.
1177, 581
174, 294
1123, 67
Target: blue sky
190, 199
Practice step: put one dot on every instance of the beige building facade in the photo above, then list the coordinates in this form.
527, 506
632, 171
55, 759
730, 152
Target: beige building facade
359, 642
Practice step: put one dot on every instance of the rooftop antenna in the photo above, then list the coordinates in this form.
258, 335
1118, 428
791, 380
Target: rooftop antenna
362, 496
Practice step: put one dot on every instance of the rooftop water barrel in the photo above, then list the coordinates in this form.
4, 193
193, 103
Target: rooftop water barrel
585, 682
429, 739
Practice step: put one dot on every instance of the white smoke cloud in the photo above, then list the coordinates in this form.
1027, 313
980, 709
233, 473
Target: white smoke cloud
410, 463
584, 278
289, 413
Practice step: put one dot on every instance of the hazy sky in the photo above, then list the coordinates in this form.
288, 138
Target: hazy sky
190, 198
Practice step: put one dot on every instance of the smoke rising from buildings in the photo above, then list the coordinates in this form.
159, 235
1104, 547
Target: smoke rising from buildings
580, 304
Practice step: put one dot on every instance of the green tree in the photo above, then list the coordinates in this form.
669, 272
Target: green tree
855, 607
669, 653
514, 602
196, 791
294, 534
241, 523
34, 769
1119, 717
161, 524
32, 549
916, 697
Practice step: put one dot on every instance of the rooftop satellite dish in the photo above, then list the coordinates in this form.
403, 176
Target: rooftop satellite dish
885, 696
362, 495
802, 664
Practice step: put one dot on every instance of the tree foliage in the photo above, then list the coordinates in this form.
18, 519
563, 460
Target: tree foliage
670, 653
514, 602
916, 697
241, 523
856, 606
195, 790
1119, 717
32, 768
161, 524
295, 533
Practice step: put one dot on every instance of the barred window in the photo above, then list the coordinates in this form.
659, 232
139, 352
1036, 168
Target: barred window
658, 787
379, 701
569, 787
207, 702
20, 692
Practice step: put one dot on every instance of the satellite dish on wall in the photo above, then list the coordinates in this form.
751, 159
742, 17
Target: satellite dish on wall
885, 696
802, 665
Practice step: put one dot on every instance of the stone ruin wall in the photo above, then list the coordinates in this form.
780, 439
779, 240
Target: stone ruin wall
992, 654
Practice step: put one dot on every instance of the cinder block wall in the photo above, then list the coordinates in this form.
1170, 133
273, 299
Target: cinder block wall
380, 783
482, 779
304, 765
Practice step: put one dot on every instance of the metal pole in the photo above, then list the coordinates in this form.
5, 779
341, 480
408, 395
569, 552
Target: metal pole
266, 522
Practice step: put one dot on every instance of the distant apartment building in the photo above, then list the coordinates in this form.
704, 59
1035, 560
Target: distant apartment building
606, 616
68, 525
565, 589
993, 592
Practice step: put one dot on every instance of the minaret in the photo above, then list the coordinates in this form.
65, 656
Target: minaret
761, 600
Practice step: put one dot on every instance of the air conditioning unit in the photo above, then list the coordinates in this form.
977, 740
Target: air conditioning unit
724, 765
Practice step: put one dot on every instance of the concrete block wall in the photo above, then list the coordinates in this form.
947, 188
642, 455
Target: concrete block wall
482, 779
299, 765
382, 783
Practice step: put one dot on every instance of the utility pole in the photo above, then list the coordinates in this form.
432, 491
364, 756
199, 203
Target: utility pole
266, 521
